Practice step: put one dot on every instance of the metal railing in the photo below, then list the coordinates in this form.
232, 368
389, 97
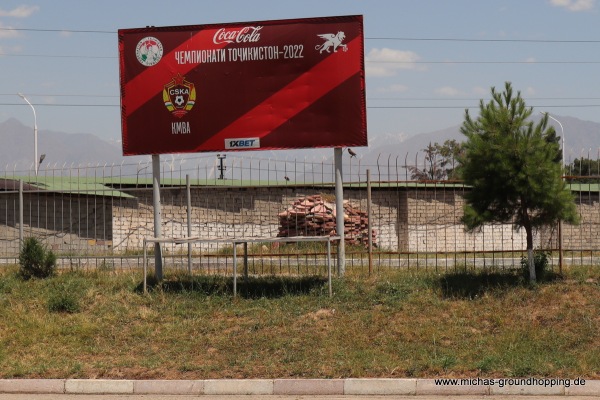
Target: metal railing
95, 215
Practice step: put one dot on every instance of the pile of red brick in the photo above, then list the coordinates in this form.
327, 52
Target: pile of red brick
313, 216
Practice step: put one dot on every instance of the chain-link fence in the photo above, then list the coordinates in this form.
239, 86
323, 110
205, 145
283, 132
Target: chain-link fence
98, 216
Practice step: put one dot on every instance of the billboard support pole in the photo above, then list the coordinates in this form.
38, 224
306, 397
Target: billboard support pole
369, 216
189, 220
158, 270
339, 210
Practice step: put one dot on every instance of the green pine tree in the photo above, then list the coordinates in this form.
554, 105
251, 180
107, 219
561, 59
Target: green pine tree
514, 168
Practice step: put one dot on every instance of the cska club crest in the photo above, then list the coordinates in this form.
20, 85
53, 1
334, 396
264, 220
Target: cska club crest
179, 96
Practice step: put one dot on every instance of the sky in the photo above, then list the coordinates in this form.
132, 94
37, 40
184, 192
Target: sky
426, 60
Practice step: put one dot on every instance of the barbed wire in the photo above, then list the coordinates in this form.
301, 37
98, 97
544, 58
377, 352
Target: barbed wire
396, 38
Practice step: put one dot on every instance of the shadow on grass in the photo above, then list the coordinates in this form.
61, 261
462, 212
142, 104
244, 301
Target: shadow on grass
473, 284
251, 287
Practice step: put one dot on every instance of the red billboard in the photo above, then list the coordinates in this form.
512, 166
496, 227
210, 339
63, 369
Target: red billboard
243, 86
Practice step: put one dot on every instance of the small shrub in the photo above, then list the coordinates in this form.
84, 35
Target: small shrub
66, 293
522, 368
392, 291
63, 302
540, 261
447, 362
8, 281
35, 260
486, 364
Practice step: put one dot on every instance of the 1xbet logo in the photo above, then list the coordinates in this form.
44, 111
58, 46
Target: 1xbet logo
243, 143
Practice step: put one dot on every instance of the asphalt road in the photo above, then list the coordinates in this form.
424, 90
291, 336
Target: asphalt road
276, 397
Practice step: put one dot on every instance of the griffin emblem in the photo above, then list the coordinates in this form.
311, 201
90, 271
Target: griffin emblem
332, 40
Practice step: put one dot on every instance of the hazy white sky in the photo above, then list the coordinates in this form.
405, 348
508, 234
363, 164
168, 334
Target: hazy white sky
427, 60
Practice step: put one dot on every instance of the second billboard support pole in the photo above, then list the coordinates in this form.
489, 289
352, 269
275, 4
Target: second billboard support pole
189, 220
339, 209
158, 270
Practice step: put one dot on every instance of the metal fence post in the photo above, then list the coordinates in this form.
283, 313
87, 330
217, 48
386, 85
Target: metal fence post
157, 220
339, 210
20, 214
189, 220
369, 229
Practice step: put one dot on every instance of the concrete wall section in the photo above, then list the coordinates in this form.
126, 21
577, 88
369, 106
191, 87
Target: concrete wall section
404, 219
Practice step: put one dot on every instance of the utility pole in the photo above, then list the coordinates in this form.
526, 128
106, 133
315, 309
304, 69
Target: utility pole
221, 167
36, 164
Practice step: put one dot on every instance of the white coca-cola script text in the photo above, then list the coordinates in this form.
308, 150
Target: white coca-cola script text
247, 34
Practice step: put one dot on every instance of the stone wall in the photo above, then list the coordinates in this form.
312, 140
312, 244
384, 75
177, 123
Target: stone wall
405, 219
586, 235
216, 213
64, 222
433, 224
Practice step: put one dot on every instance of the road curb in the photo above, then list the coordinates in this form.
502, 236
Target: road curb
98, 386
377, 386
44, 386
308, 386
169, 387
429, 387
350, 386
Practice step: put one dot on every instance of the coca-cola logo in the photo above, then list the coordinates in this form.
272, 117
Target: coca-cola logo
247, 34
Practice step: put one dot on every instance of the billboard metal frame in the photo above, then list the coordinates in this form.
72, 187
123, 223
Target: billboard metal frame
260, 85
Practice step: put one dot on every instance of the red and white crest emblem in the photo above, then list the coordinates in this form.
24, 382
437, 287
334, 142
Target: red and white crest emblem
179, 96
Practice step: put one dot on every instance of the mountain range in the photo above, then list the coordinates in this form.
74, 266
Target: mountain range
59, 148
582, 139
